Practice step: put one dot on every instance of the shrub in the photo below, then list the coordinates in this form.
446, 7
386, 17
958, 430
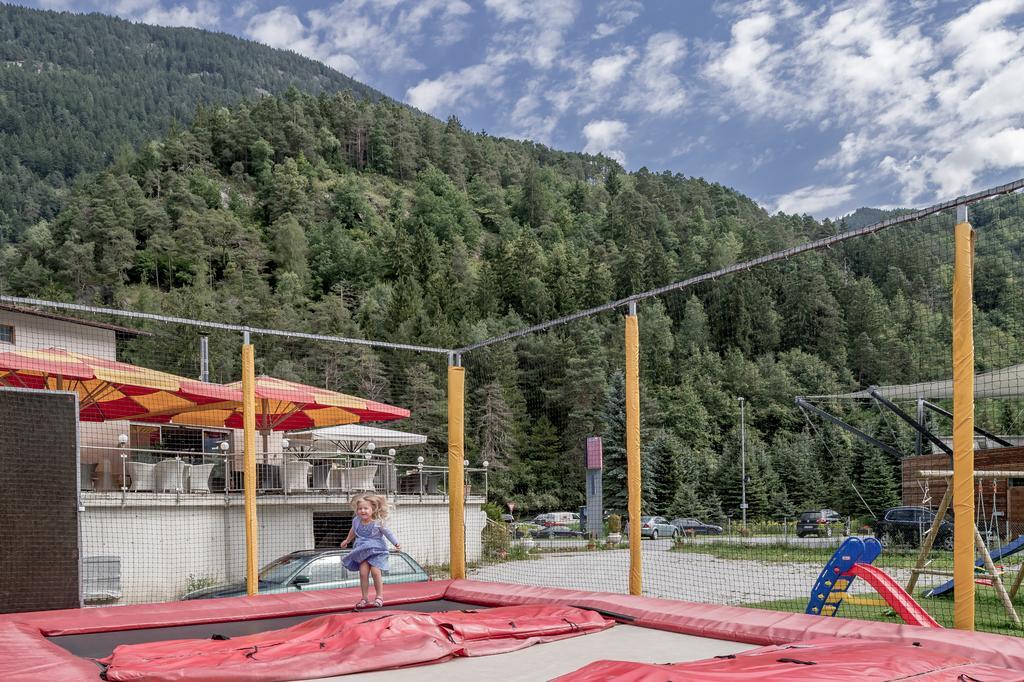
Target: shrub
614, 523
492, 510
199, 583
495, 540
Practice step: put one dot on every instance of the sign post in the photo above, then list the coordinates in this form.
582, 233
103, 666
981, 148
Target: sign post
595, 493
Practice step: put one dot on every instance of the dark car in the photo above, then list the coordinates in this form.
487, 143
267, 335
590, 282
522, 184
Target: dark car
820, 522
696, 527
552, 532
315, 569
907, 525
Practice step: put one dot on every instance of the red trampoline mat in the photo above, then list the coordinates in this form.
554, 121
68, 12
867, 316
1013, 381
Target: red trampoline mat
821, 660
349, 643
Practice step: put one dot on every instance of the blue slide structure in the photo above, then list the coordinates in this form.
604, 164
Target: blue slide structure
853, 560
831, 585
1004, 551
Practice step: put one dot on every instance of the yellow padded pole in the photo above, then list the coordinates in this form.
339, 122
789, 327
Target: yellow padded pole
456, 474
249, 467
633, 449
963, 425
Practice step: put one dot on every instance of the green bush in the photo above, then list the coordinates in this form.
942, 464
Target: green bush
614, 523
492, 510
495, 540
199, 583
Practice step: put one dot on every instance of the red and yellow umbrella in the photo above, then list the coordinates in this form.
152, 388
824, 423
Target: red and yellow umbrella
108, 389
288, 406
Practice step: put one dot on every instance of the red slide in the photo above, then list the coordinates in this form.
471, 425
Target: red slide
901, 602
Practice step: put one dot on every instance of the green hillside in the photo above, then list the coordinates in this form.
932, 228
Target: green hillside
75, 89
353, 215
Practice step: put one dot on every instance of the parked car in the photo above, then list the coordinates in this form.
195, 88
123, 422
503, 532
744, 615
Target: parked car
654, 527
315, 569
820, 522
551, 532
907, 525
696, 527
557, 519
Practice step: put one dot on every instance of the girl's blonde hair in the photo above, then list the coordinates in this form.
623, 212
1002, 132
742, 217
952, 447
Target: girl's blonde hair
378, 503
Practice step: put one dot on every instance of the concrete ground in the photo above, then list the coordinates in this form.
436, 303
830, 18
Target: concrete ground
546, 661
674, 575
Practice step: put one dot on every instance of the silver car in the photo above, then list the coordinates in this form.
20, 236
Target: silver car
315, 569
655, 527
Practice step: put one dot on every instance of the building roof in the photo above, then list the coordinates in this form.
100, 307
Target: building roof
354, 437
1007, 382
124, 331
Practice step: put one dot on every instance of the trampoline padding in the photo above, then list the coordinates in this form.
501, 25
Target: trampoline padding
27, 656
350, 643
821, 660
228, 609
751, 626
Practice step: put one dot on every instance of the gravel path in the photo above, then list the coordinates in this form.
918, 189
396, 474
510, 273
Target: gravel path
676, 575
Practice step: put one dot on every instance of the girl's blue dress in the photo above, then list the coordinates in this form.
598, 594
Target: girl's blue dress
369, 545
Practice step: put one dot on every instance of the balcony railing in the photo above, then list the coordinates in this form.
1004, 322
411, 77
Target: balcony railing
132, 471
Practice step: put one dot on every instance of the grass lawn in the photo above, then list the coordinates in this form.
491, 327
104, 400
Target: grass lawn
787, 553
989, 615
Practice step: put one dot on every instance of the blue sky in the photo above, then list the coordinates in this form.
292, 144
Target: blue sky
816, 107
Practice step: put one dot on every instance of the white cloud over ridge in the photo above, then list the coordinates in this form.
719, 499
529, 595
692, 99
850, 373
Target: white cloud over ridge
360, 36
192, 14
605, 137
931, 106
915, 102
814, 199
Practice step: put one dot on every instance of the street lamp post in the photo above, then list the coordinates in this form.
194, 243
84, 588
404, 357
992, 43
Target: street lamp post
743, 463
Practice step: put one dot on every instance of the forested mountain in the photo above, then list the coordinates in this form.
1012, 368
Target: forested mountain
75, 89
357, 217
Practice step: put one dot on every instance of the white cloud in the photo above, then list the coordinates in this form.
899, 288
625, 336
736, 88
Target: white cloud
749, 62
852, 148
604, 137
452, 27
544, 23
814, 199
616, 15
355, 35
656, 88
443, 95
196, 14
279, 27
609, 70
932, 106
202, 15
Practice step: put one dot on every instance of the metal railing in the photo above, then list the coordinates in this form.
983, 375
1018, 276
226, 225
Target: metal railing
132, 471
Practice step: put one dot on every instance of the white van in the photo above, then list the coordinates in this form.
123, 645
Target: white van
557, 519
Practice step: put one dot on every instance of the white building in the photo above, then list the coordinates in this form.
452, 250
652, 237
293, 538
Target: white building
166, 542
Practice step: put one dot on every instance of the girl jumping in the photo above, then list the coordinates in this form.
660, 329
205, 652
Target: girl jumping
370, 553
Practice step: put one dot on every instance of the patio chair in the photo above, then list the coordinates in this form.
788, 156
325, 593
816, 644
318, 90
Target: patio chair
171, 475
338, 478
321, 476
199, 477
87, 472
141, 475
361, 478
296, 475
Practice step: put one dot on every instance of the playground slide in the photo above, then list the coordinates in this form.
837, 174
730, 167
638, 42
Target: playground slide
1004, 551
901, 602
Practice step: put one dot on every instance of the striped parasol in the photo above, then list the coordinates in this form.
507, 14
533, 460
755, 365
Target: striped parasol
288, 406
108, 389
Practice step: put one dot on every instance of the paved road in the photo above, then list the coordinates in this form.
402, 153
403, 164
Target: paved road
678, 575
